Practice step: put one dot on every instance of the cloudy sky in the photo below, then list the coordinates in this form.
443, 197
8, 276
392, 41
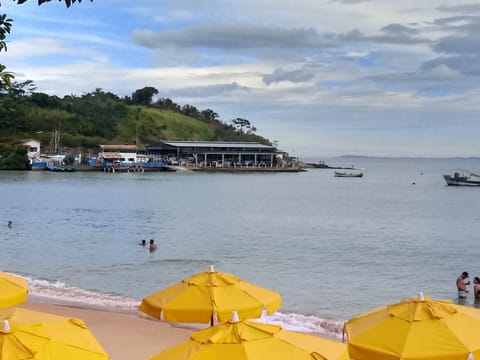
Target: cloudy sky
321, 77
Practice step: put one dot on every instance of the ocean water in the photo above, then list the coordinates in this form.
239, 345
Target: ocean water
333, 247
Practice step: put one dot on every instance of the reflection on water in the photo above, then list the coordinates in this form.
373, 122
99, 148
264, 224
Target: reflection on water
476, 303
462, 301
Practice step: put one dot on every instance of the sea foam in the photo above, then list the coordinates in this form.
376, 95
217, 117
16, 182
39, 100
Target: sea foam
59, 293
306, 323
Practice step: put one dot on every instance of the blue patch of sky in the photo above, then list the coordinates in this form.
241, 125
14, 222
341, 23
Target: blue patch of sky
56, 59
368, 61
438, 92
53, 21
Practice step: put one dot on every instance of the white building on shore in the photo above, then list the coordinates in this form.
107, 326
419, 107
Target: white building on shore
33, 149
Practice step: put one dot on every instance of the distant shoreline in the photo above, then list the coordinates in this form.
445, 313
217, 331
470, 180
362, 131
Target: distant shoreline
321, 165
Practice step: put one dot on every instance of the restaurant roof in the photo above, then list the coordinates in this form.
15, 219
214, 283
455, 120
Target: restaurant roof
215, 144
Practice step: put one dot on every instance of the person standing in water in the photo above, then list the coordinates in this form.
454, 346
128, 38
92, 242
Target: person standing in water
152, 247
462, 285
476, 288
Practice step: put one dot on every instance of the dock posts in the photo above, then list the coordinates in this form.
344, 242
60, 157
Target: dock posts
121, 169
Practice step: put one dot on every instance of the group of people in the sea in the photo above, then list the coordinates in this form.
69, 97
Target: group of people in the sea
152, 246
463, 282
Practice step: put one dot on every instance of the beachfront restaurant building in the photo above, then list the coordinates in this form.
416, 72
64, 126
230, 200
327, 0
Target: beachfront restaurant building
216, 153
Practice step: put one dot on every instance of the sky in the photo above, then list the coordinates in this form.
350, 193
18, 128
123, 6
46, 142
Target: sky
322, 78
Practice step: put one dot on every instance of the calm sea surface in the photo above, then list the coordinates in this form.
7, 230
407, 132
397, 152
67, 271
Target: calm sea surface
333, 247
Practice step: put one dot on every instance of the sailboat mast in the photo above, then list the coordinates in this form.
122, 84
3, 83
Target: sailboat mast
57, 141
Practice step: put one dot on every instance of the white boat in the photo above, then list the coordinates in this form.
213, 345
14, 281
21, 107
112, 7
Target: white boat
348, 174
463, 178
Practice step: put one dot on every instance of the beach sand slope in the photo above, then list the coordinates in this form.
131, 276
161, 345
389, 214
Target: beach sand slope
123, 336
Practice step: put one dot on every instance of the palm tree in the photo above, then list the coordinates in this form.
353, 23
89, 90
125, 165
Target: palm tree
40, 2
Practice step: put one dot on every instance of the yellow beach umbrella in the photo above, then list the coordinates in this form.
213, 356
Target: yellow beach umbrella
249, 340
416, 329
28, 334
13, 290
208, 295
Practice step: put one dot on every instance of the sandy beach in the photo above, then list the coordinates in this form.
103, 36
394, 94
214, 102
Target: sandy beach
123, 336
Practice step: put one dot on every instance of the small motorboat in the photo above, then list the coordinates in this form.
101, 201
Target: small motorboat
464, 178
348, 174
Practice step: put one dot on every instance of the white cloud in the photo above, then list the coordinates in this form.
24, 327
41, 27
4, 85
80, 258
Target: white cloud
22, 50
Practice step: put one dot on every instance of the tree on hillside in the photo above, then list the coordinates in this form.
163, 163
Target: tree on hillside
209, 115
144, 96
241, 124
191, 111
14, 106
166, 104
45, 101
97, 113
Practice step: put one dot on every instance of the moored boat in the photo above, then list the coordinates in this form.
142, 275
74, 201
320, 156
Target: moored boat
465, 178
55, 168
348, 174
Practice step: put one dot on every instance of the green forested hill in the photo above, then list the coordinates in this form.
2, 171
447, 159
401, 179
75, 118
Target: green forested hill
104, 118
168, 124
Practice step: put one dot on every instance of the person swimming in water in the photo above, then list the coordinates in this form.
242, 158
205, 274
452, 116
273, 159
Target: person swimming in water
143, 242
10, 224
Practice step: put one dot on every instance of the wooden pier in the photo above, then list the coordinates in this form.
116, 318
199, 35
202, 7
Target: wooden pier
131, 169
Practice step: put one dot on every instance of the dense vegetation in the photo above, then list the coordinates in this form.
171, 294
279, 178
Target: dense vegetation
102, 117
13, 157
